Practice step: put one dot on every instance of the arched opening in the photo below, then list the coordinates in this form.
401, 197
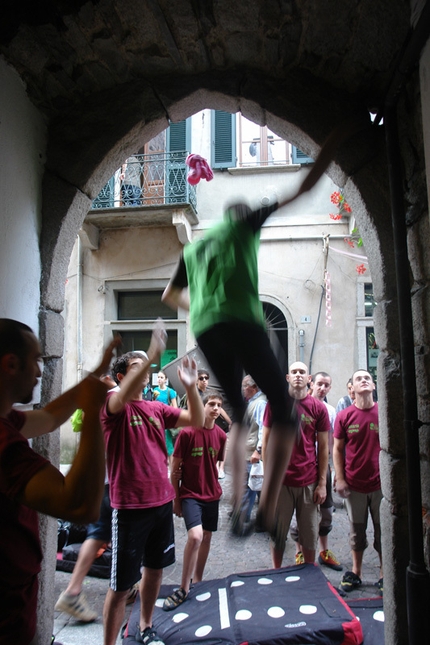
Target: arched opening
366, 162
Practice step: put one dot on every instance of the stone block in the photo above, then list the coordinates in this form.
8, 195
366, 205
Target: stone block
419, 254
52, 380
394, 482
395, 554
390, 403
425, 484
64, 210
51, 326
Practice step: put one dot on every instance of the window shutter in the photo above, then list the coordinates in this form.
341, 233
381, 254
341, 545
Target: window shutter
300, 157
178, 144
179, 136
223, 126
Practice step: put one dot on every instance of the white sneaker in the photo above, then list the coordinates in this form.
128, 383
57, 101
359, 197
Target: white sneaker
76, 606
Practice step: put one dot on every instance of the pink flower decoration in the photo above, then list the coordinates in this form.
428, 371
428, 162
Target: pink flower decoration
199, 169
349, 242
360, 268
335, 217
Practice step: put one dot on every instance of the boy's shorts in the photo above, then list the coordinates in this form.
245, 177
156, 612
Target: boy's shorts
102, 529
140, 537
196, 512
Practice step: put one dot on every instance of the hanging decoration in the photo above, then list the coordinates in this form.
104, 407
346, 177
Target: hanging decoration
344, 209
327, 285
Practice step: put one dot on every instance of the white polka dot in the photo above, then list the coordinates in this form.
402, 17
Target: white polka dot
203, 631
379, 616
159, 602
178, 618
237, 583
292, 578
243, 614
203, 596
276, 612
307, 609
264, 581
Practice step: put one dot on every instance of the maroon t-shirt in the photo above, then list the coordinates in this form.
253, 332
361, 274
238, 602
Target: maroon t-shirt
313, 416
200, 449
360, 431
136, 453
20, 551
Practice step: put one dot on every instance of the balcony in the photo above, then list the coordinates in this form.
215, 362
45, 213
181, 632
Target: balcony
156, 179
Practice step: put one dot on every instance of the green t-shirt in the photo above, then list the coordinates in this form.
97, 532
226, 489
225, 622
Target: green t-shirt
222, 274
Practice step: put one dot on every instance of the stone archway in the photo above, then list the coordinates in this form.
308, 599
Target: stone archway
360, 167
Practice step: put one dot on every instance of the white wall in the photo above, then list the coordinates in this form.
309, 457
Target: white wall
22, 158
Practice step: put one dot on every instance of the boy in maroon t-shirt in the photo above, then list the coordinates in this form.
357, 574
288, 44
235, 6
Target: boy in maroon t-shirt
197, 451
356, 461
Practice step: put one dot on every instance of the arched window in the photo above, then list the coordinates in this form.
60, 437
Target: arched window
277, 330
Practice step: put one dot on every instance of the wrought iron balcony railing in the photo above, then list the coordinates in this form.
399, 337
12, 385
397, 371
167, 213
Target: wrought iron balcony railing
148, 180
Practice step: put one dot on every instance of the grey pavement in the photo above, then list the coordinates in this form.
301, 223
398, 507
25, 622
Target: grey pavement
227, 555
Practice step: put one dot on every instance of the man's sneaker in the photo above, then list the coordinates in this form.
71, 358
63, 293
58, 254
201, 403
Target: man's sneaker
350, 581
76, 606
148, 637
132, 593
300, 558
175, 599
328, 559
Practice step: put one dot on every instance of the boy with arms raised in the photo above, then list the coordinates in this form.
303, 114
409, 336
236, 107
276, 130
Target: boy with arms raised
198, 492
141, 494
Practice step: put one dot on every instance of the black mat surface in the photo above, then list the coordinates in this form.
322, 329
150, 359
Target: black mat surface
100, 568
271, 607
370, 612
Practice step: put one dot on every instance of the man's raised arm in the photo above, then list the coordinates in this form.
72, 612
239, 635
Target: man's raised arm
194, 415
53, 415
77, 496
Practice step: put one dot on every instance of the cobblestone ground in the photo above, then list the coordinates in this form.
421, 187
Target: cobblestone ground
228, 555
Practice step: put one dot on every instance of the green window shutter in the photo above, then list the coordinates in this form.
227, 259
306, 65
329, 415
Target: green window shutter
178, 144
223, 126
300, 157
179, 136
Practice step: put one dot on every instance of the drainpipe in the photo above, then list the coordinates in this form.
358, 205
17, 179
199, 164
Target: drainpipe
325, 251
79, 272
302, 345
417, 576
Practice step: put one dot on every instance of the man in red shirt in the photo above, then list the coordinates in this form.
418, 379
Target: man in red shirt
356, 462
304, 485
198, 492
141, 494
29, 482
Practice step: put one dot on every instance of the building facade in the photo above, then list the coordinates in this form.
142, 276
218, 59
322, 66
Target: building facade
314, 298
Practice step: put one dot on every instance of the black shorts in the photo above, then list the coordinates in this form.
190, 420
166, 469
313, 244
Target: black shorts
102, 529
234, 348
140, 537
196, 512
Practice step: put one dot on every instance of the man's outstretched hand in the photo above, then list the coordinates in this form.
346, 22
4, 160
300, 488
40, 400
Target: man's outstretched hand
188, 373
103, 368
158, 340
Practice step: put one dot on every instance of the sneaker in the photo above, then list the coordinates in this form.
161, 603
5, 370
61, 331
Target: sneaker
328, 559
350, 581
300, 558
239, 526
175, 599
380, 585
221, 474
149, 637
132, 593
76, 606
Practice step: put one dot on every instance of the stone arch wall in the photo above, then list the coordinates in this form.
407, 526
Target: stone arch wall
83, 154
